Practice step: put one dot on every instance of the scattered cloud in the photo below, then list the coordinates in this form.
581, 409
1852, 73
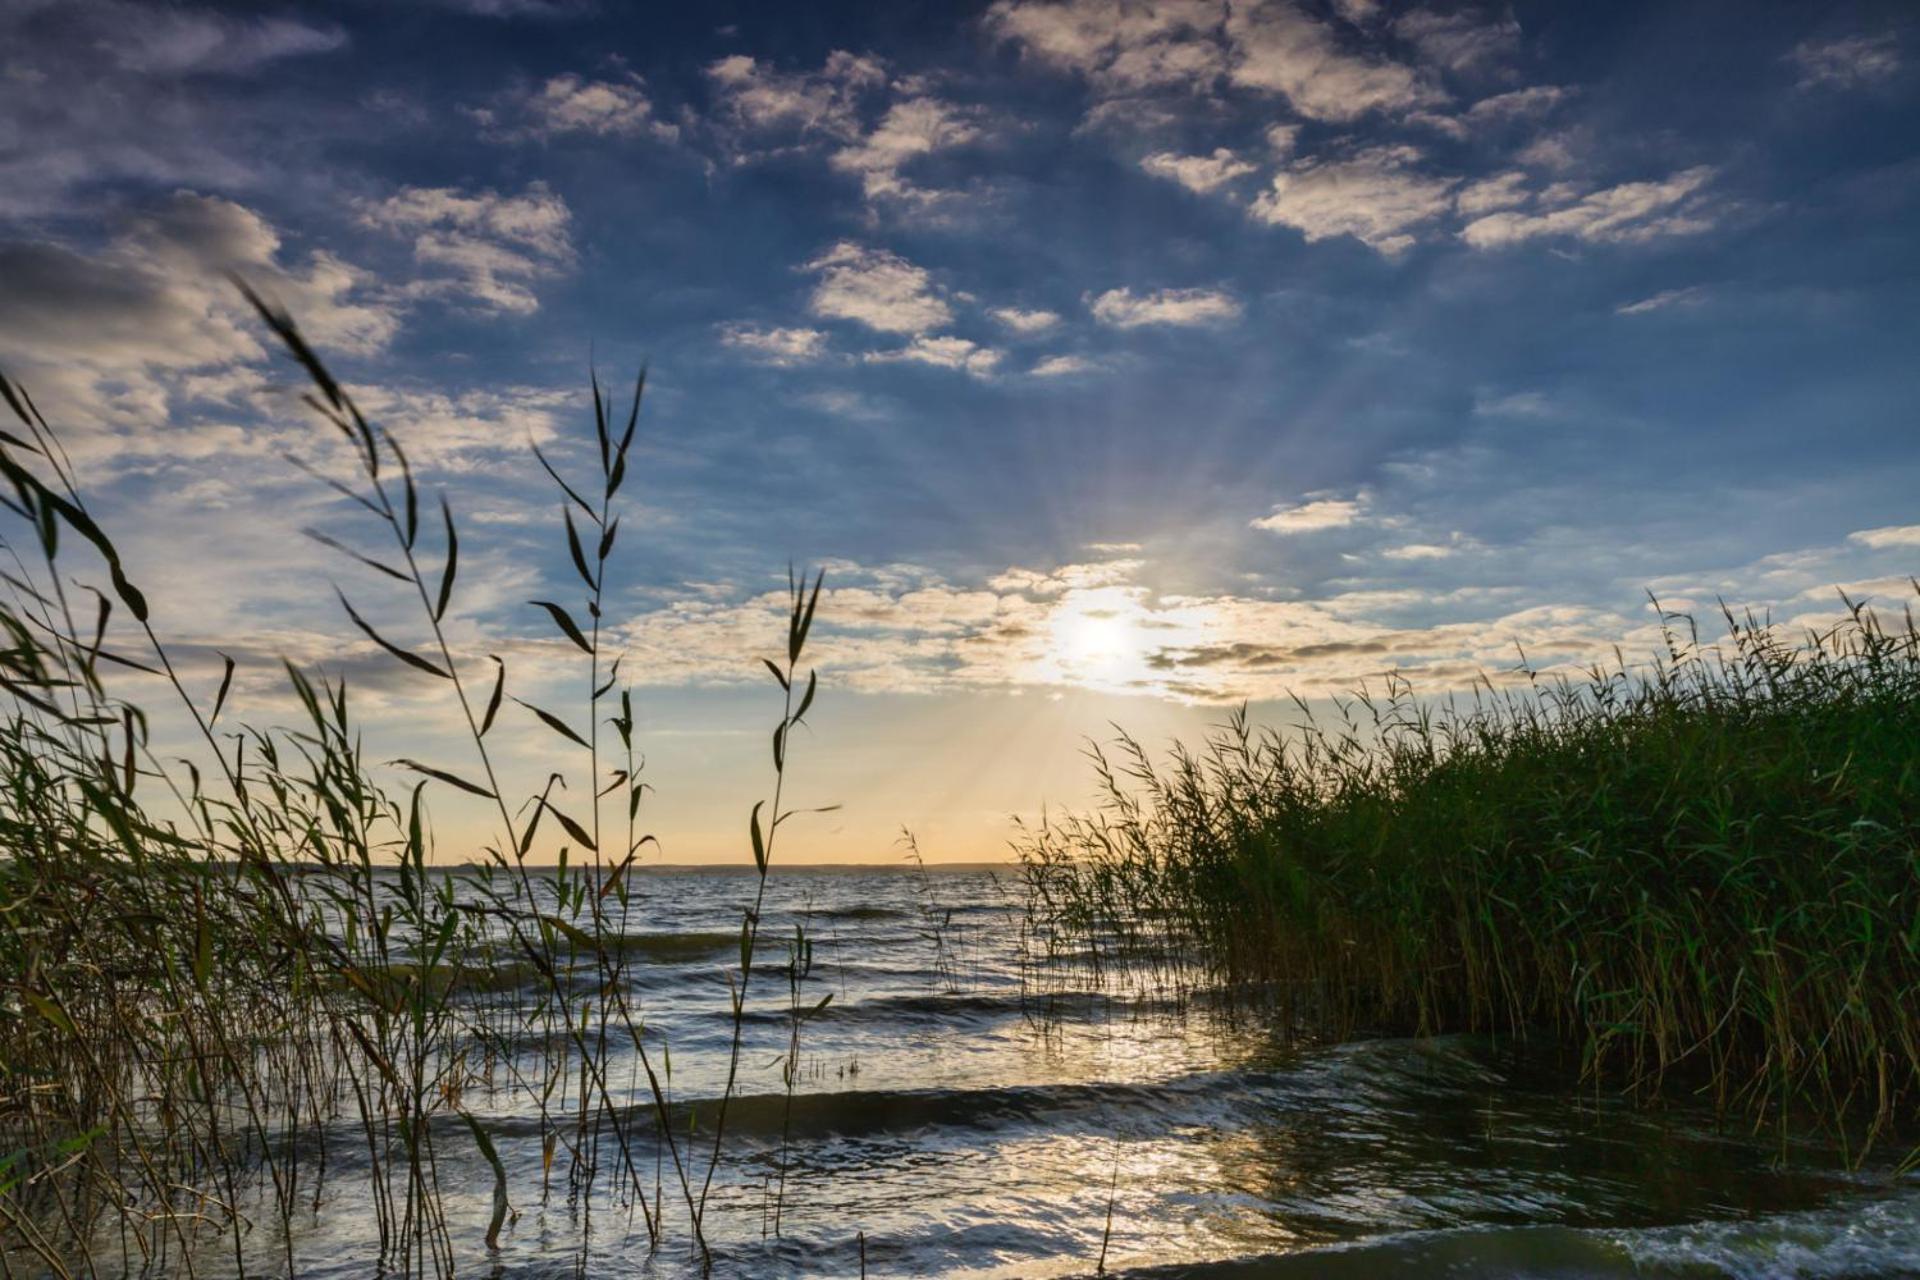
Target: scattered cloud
95, 93
1501, 191
1630, 213
118, 334
1314, 515
911, 128
1558, 151
1278, 48
1519, 104
1124, 309
775, 346
570, 104
1500, 111
761, 106
1460, 41
1067, 577
1376, 196
944, 352
1025, 322
1063, 366
1901, 535
1125, 50
1095, 626
1202, 174
1120, 46
466, 430
165, 40
1420, 551
1848, 63
871, 125
1691, 296
487, 247
876, 288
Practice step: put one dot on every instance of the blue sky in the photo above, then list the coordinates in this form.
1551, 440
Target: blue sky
1122, 361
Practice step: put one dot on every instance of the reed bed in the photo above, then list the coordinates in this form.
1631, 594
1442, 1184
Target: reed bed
216, 971
1702, 872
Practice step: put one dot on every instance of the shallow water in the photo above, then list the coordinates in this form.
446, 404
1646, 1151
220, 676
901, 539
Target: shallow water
961, 1135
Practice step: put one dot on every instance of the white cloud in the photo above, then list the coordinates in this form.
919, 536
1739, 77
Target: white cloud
1067, 577
910, 128
1632, 212
1283, 139
1374, 196
152, 39
1025, 322
1127, 48
491, 246
1313, 516
1493, 113
1691, 296
1121, 46
1502, 191
1458, 41
1095, 626
605, 108
1419, 551
468, 430
755, 100
1124, 309
1898, 535
762, 111
1063, 366
876, 288
1848, 63
775, 346
945, 352
1520, 104
1278, 48
112, 336
1200, 174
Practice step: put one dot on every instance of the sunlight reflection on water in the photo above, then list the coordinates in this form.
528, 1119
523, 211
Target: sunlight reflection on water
966, 1138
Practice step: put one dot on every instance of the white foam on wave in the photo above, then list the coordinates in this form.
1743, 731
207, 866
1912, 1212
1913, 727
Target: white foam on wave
1879, 1237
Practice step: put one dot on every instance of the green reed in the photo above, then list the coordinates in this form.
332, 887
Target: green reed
1703, 872
203, 975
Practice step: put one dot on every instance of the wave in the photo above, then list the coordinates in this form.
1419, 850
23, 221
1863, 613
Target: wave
1877, 1238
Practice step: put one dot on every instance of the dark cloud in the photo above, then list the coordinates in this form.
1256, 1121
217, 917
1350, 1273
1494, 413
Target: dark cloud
101, 91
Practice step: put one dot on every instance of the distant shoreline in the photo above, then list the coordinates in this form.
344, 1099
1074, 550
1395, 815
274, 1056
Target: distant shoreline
729, 868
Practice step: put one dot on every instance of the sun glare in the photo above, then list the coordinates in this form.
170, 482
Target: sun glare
1093, 638
1096, 641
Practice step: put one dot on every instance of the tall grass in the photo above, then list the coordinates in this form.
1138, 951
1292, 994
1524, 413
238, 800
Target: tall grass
212, 969
1703, 873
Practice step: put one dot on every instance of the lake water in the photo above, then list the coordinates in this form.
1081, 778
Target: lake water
942, 1117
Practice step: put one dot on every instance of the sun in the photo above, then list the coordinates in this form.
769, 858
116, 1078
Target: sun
1096, 642
1095, 638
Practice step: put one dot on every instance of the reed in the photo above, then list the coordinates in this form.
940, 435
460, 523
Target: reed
213, 969
1702, 872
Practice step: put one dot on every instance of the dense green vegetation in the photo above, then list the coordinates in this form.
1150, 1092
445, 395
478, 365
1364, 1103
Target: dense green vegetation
1705, 874
212, 967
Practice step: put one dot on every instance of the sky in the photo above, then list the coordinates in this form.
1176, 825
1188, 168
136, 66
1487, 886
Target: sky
1120, 362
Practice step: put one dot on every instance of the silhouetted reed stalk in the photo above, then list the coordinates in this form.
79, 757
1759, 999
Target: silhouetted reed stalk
801, 604
195, 993
1700, 872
